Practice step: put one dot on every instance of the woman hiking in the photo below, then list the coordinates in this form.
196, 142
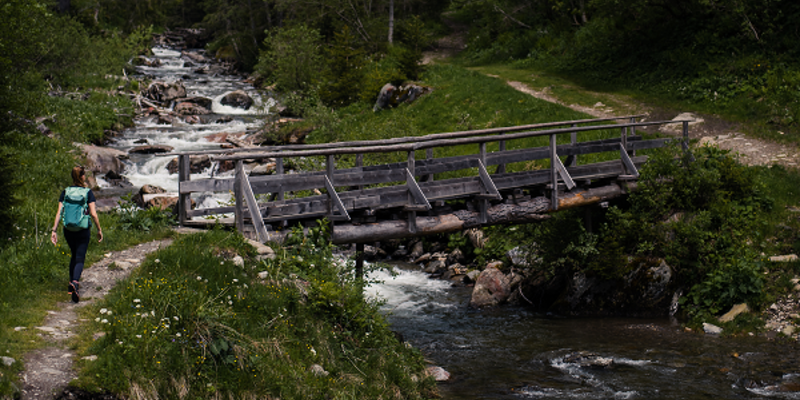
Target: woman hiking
75, 205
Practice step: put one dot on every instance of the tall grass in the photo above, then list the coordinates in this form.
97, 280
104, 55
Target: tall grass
191, 323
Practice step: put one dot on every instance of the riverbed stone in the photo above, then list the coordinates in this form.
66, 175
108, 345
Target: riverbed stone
734, 312
711, 329
317, 370
438, 373
238, 99
588, 360
436, 266
789, 330
518, 257
7, 361
101, 160
165, 91
491, 288
151, 149
417, 249
187, 108
197, 164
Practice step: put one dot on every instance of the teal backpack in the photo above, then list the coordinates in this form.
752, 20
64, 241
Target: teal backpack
75, 213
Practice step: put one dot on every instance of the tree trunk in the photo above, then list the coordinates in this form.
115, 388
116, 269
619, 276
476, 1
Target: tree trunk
391, 20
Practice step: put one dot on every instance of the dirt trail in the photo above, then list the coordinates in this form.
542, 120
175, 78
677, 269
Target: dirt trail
709, 130
49, 370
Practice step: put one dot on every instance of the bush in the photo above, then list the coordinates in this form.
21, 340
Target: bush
292, 58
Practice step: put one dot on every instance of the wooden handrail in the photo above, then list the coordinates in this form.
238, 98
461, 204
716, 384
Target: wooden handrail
259, 153
408, 139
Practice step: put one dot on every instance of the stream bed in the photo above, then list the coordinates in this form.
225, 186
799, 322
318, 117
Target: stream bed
512, 353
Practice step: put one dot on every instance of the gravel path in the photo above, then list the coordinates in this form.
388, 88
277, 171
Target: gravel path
49, 370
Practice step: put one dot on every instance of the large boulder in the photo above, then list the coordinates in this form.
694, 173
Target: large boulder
164, 91
238, 99
150, 149
101, 160
492, 288
187, 108
197, 164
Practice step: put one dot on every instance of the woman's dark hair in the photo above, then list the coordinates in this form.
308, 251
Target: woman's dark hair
78, 175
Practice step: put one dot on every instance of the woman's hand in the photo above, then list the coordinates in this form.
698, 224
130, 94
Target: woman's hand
54, 238
99, 235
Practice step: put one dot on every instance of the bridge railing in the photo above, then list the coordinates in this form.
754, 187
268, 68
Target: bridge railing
412, 195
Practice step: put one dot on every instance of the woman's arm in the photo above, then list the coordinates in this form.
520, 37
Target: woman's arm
93, 213
53, 235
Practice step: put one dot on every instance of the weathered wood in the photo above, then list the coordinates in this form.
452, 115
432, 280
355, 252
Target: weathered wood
184, 199
428, 144
252, 205
562, 172
410, 139
206, 185
487, 183
279, 171
553, 173
415, 192
212, 211
529, 211
626, 160
238, 193
335, 201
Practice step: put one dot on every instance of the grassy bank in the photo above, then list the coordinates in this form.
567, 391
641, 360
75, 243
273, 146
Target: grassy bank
192, 323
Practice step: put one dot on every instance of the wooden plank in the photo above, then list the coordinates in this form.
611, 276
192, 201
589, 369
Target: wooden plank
562, 171
206, 185
487, 183
252, 205
212, 211
335, 201
184, 178
416, 192
626, 160
238, 193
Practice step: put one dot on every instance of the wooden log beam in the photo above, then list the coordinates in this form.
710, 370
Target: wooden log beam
533, 210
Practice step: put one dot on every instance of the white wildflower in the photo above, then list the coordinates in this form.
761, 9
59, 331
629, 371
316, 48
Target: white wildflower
175, 318
178, 334
104, 321
157, 261
139, 336
103, 311
97, 319
199, 278
137, 300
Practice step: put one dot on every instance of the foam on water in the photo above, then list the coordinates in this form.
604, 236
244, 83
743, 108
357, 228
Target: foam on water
408, 291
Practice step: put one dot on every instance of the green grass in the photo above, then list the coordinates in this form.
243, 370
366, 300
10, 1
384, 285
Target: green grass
461, 100
33, 271
191, 323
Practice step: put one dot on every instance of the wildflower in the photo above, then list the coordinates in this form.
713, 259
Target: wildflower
109, 312
235, 280
104, 321
166, 326
199, 278
97, 319
157, 261
137, 301
230, 302
103, 311
138, 306
178, 334
153, 313
144, 315
139, 336
175, 318
314, 352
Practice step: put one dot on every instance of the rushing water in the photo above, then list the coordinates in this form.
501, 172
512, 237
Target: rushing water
511, 353
507, 352
149, 169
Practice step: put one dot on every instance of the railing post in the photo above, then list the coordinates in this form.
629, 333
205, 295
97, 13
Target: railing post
686, 132
184, 200
359, 164
632, 133
238, 194
429, 156
483, 204
624, 138
279, 171
412, 215
553, 173
501, 168
574, 140
331, 167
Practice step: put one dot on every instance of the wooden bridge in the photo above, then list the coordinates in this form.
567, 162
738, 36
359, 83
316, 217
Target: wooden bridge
418, 196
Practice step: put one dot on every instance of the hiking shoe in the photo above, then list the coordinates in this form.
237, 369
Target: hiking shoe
75, 296
69, 288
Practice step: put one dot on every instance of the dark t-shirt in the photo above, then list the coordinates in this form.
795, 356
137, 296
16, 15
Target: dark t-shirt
90, 196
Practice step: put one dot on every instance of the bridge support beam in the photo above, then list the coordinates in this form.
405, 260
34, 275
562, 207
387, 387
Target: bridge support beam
533, 210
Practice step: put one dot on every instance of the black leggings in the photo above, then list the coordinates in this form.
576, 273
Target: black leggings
78, 243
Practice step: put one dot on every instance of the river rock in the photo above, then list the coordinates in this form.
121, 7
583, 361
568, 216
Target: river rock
423, 258
196, 57
187, 108
148, 62
789, 330
455, 256
784, 258
138, 198
417, 250
491, 288
101, 160
238, 99
263, 251
317, 370
166, 119
588, 360
7, 361
438, 373
222, 137
435, 266
711, 329
151, 149
518, 257
263, 169
197, 164
734, 312
165, 92
476, 237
